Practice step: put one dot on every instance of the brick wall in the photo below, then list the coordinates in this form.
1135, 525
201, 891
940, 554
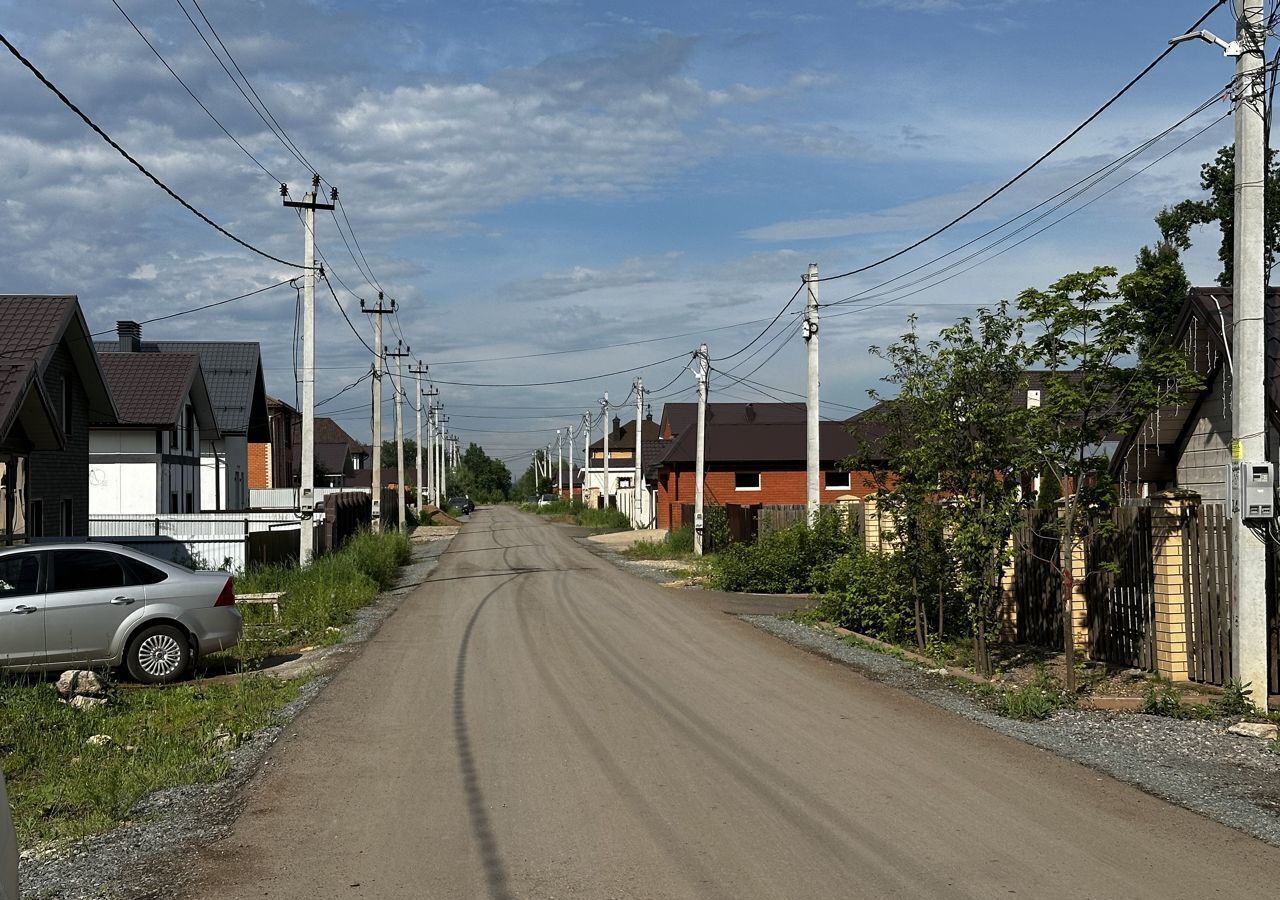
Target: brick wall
777, 486
58, 475
259, 466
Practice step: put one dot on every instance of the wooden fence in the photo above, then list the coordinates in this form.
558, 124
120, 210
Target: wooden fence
1036, 584
1206, 542
1119, 590
776, 517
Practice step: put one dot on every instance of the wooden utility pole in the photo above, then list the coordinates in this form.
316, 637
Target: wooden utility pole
379, 366
307, 482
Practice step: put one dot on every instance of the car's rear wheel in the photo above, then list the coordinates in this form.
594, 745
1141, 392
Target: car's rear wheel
158, 654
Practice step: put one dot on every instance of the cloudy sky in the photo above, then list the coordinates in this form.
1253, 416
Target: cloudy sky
534, 176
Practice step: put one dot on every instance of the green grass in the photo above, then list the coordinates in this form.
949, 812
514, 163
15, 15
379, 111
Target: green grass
62, 788
582, 515
674, 545
1037, 700
319, 599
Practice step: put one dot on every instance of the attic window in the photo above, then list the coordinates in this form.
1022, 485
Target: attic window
836, 481
746, 481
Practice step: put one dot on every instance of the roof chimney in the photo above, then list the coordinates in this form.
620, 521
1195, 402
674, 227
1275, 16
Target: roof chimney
617, 427
129, 335
750, 412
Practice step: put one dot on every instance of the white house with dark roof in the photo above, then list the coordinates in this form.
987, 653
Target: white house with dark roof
148, 460
232, 372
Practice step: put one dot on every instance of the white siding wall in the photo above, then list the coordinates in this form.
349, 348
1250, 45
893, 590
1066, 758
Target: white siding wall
122, 487
1202, 465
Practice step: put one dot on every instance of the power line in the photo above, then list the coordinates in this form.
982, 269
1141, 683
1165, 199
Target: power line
198, 101
626, 371
134, 162
1018, 177
767, 327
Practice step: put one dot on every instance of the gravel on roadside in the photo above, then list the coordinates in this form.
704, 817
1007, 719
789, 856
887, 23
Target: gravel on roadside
1195, 764
137, 860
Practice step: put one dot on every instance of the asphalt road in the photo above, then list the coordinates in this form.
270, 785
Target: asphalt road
533, 722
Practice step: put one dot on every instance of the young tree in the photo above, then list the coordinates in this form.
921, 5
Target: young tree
1093, 390
1156, 289
957, 443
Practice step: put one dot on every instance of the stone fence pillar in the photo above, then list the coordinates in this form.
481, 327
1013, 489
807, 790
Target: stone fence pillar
1169, 514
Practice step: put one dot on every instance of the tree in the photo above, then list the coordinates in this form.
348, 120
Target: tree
480, 476
1156, 289
531, 484
410, 455
1093, 389
1218, 178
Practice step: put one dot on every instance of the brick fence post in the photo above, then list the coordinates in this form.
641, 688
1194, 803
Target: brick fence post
1168, 523
1079, 601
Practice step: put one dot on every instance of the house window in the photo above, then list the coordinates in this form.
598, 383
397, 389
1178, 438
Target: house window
837, 481
173, 501
173, 439
68, 517
190, 504
746, 481
191, 429
66, 406
35, 523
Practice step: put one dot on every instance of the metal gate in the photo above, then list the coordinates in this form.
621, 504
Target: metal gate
1036, 583
1119, 590
1207, 553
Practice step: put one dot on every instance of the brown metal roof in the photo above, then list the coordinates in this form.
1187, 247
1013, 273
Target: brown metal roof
32, 326
624, 436
24, 405
150, 388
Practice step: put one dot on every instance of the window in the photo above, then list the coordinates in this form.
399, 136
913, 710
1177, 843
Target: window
141, 573
173, 502
19, 575
85, 570
191, 429
66, 406
190, 506
35, 525
173, 439
68, 517
746, 481
836, 481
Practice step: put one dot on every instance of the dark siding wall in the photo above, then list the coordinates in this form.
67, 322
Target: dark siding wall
61, 475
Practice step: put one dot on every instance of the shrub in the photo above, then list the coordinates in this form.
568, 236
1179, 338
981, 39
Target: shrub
867, 592
790, 560
1034, 701
1235, 699
602, 518
676, 545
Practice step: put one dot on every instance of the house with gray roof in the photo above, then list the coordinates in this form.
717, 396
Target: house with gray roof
232, 372
148, 461
51, 385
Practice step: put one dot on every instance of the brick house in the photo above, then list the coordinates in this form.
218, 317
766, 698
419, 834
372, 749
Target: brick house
622, 459
148, 460
274, 463
755, 455
232, 373
49, 376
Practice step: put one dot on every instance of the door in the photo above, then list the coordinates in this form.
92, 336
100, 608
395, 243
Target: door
88, 595
21, 610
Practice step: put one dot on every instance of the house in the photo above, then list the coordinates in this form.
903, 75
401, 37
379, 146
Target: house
232, 373
51, 385
754, 454
338, 456
622, 459
274, 462
1187, 443
148, 459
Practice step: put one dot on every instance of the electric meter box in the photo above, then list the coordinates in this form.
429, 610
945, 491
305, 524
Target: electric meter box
1257, 491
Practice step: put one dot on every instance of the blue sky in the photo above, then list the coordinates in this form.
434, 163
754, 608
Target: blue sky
538, 175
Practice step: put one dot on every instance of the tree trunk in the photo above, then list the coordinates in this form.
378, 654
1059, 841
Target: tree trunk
1068, 589
920, 624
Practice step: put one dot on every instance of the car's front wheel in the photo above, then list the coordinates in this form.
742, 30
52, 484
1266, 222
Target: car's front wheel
158, 655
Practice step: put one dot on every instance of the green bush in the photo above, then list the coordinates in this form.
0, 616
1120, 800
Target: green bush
790, 560
675, 545
867, 592
1037, 700
602, 518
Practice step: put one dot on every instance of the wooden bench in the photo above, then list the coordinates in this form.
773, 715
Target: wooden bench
272, 598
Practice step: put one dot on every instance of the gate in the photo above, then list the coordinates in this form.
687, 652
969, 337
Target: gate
1119, 591
1207, 552
1036, 583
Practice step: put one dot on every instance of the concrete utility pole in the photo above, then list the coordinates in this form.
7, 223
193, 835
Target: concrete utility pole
586, 452
559, 464
444, 460
307, 480
375, 485
699, 469
637, 514
401, 352
429, 396
417, 438
1248, 344
812, 453
569, 446
606, 425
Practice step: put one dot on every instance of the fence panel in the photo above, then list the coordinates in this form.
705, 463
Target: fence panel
1207, 552
1119, 591
1036, 583
214, 539
776, 516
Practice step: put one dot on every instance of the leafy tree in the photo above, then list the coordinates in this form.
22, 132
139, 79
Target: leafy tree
1218, 178
531, 484
480, 476
410, 455
1093, 388
957, 444
1156, 290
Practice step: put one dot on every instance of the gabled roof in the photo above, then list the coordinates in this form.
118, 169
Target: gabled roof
27, 419
624, 437
31, 328
233, 375
151, 390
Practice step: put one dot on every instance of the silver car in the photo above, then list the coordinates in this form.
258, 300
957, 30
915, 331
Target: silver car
92, 605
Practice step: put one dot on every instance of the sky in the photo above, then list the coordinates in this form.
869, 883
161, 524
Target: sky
535, 176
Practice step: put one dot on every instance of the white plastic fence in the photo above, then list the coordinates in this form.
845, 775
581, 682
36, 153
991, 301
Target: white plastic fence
214, 539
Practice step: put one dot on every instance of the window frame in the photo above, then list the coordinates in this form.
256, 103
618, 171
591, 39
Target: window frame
738, 486
126, 572
826, 480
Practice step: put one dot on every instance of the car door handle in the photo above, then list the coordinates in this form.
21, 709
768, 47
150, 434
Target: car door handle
121, 601
22, 610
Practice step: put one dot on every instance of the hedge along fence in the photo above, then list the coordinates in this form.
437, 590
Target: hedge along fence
791, 560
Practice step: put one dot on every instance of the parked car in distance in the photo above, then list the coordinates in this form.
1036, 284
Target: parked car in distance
462, 504
547, 499
97, 605
8, 849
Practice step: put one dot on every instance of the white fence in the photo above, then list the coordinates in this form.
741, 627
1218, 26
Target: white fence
212, 539
287, 498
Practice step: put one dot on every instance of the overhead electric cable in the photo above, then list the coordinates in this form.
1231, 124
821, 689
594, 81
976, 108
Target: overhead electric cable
625, 371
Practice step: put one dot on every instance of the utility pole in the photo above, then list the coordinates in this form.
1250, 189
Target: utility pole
1248, 348
401, 352
307, 481
569, 446
375, 486
637, 517
559, 464
429, 396
444, 460
605, 426
700, 466
812, 457
417, 438
586, 452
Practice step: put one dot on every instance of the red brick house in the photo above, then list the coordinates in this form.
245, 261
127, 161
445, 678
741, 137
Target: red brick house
755, 455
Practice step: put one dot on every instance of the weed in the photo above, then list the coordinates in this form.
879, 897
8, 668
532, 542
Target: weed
1039, 699
675, 545
1235, 699
1161, 698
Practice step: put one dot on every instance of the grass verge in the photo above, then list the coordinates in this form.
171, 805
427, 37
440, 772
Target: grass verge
674, 545
63, 787
579, 514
